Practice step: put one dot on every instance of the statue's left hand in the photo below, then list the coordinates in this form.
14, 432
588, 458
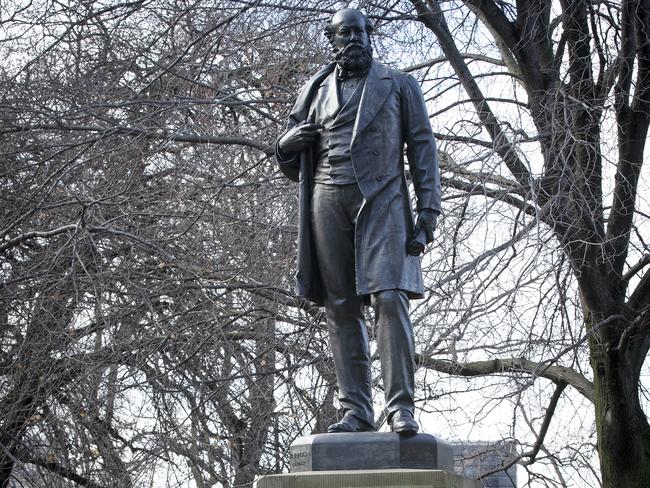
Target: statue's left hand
427, 220
423, 232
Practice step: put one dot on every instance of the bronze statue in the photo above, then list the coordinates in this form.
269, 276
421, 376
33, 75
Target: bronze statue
358, 243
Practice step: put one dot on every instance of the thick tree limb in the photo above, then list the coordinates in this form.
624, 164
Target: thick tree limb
633, 122
641, 101
640, 297
502, 30
557, 374
488, 9
431, 15
643, 262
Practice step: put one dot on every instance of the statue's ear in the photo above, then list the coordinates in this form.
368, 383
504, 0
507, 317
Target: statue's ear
329, 31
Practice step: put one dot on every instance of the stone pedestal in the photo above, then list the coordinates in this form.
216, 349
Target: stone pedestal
369, 450
376, 478
369, 460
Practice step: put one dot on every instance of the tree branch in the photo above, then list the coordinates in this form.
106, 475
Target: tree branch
476, 189
431, 16
485, 255
550, 410
62, 471
539, 441
149, 134
498, 21
557, 374
442, 59
641, 101
645, 260
34, 234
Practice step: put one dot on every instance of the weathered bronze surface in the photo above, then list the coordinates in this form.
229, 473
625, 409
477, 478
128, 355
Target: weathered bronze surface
358, 241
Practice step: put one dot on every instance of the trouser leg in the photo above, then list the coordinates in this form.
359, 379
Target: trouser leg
396, 348
334, 211
349, 344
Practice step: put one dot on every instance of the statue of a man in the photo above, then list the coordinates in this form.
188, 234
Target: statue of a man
344, 144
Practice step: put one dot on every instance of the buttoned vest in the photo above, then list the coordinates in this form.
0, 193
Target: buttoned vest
334, 162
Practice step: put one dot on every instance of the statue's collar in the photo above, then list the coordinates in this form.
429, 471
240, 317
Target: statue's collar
345, 74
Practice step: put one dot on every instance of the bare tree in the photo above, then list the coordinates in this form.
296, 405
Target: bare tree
148, 330
146, 245
581, 65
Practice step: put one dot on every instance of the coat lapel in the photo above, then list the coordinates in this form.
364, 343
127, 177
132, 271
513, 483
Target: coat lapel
375, 92
332, 104
303, 103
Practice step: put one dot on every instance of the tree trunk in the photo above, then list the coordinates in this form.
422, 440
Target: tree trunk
622, 427
30, 384
623, 433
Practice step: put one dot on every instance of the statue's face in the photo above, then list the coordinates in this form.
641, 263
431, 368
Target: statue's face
350, 38
349, 29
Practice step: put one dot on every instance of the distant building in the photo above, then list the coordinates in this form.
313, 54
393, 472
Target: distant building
472, 459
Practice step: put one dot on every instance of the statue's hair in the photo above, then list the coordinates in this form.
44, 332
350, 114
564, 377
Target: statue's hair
329, 29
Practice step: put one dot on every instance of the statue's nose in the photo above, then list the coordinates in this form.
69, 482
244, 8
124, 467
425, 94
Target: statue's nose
354, 36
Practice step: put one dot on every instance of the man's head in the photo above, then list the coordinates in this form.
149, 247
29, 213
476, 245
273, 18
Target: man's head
349, 33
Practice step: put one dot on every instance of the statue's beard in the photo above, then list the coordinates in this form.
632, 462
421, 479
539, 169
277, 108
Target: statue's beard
354, 58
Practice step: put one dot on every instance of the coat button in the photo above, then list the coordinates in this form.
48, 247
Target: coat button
379, 177
375, 152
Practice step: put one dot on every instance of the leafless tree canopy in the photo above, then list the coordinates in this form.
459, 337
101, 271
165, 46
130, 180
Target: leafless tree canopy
149, 334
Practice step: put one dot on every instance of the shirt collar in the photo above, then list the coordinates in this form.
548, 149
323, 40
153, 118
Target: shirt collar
343, 74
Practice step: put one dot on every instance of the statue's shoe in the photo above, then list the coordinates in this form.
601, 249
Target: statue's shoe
350, 423
402, 422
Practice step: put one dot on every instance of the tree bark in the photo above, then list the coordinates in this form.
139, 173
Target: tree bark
622, 427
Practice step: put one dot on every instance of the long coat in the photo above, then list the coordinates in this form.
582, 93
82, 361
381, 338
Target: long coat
391, 114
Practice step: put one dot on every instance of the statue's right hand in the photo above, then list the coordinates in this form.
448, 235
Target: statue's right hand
299, 137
